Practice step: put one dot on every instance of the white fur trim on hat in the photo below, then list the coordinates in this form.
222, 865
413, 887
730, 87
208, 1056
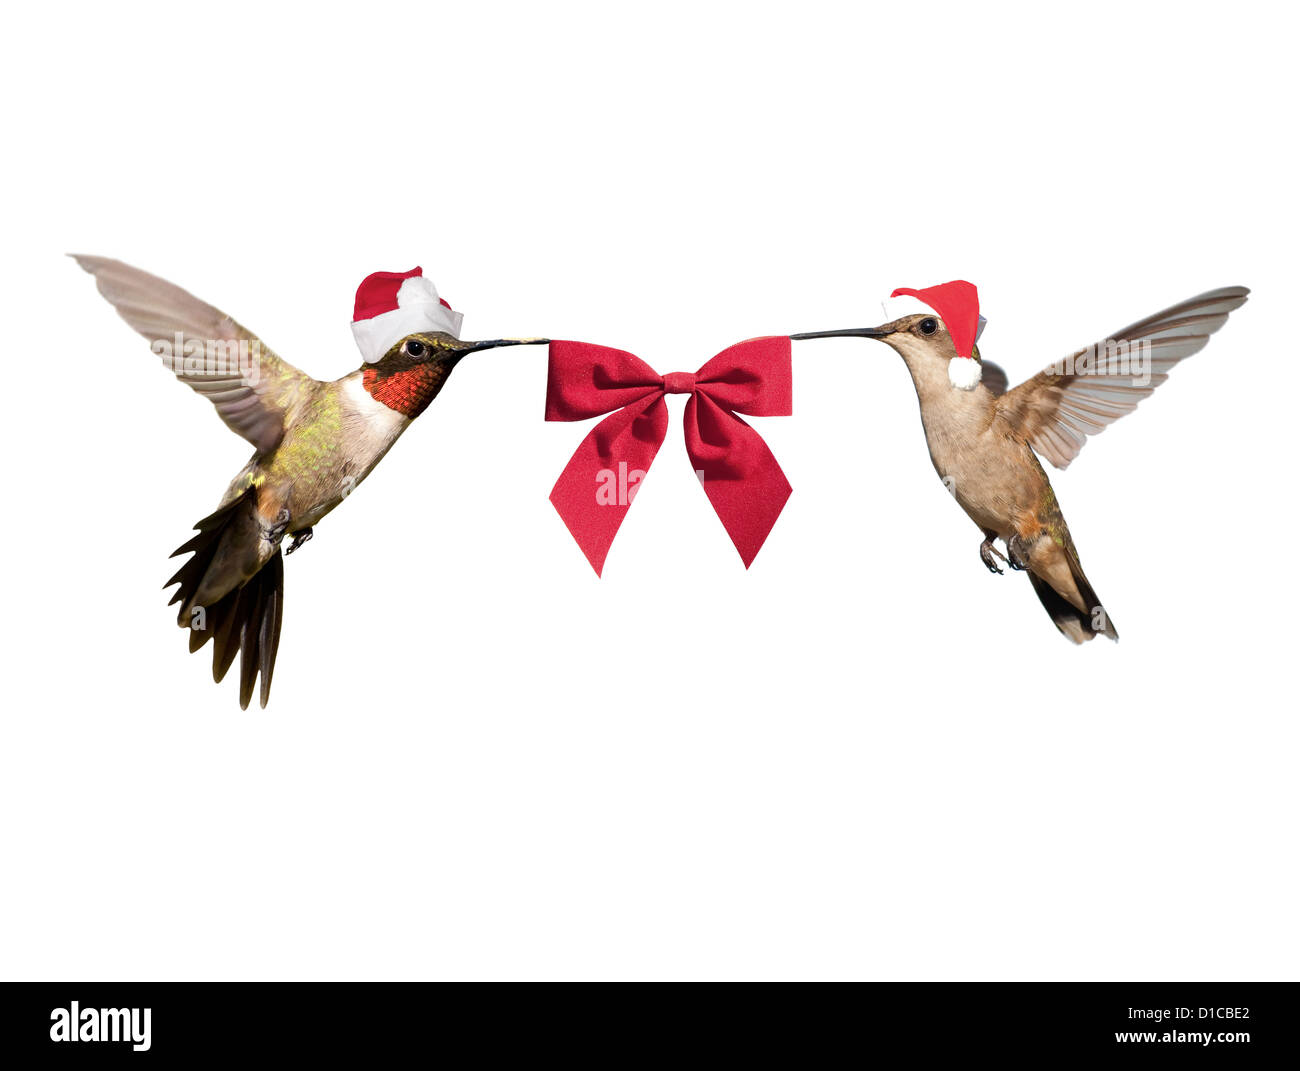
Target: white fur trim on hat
418, 310
964, 373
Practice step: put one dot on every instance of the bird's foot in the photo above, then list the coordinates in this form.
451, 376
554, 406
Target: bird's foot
276, 532
1017, 553
988, 554
299, 538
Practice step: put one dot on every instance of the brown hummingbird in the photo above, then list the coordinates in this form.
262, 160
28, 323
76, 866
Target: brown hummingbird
984, 439
313, 441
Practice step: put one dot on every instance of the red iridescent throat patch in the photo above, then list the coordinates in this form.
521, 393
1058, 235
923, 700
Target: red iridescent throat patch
409, 390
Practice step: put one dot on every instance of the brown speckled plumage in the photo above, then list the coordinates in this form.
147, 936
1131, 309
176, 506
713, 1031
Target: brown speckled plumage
983, 441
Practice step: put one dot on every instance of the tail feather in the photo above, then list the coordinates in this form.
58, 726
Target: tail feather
225, 636
245, 620
1075, 624
259, 629
1098, 620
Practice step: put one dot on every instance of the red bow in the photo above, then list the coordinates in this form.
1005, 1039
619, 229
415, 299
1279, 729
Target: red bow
738, 472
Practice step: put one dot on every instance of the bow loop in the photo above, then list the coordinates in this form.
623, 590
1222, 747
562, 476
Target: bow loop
584, 381
751, 377
739, 474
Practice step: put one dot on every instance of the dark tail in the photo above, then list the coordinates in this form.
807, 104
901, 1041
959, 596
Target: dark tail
1074, 624
245, 620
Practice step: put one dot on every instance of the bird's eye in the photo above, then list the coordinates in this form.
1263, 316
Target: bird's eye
414, 348
928, 326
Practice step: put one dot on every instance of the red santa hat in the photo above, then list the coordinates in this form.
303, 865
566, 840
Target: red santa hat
391, 305
958, 306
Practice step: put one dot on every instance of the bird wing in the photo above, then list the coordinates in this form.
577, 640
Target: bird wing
252, 389
1056, 410
994, 378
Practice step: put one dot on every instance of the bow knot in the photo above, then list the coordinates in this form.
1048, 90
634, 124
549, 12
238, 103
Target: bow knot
739, 474
679, 383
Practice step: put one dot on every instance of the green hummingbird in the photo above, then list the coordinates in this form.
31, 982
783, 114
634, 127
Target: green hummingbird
313, 441
985, 440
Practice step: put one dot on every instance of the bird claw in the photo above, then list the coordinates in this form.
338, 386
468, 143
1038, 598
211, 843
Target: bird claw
299, 538
988, 554
1017, 557
276, 532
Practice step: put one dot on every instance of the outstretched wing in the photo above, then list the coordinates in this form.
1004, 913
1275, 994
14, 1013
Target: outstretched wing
250, 386
1056, 410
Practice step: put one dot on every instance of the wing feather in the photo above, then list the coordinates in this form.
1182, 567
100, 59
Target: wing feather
251, 388
1056, 410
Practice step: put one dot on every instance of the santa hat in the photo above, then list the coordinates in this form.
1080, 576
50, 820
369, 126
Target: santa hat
391, 305
958, 306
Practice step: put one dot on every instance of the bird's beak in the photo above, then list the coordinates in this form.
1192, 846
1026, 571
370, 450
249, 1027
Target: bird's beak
850, 332
494, 343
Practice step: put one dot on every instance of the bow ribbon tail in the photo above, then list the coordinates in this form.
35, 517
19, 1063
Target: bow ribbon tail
597, 486
738, 471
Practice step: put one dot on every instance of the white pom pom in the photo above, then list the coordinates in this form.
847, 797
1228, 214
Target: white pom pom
964, 373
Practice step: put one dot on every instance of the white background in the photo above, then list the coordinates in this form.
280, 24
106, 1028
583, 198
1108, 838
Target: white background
866, 757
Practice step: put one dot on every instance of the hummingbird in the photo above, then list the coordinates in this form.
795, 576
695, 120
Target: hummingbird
313, 441
985, 440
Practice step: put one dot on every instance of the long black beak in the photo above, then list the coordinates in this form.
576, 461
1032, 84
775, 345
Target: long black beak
848, 332
493, 343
